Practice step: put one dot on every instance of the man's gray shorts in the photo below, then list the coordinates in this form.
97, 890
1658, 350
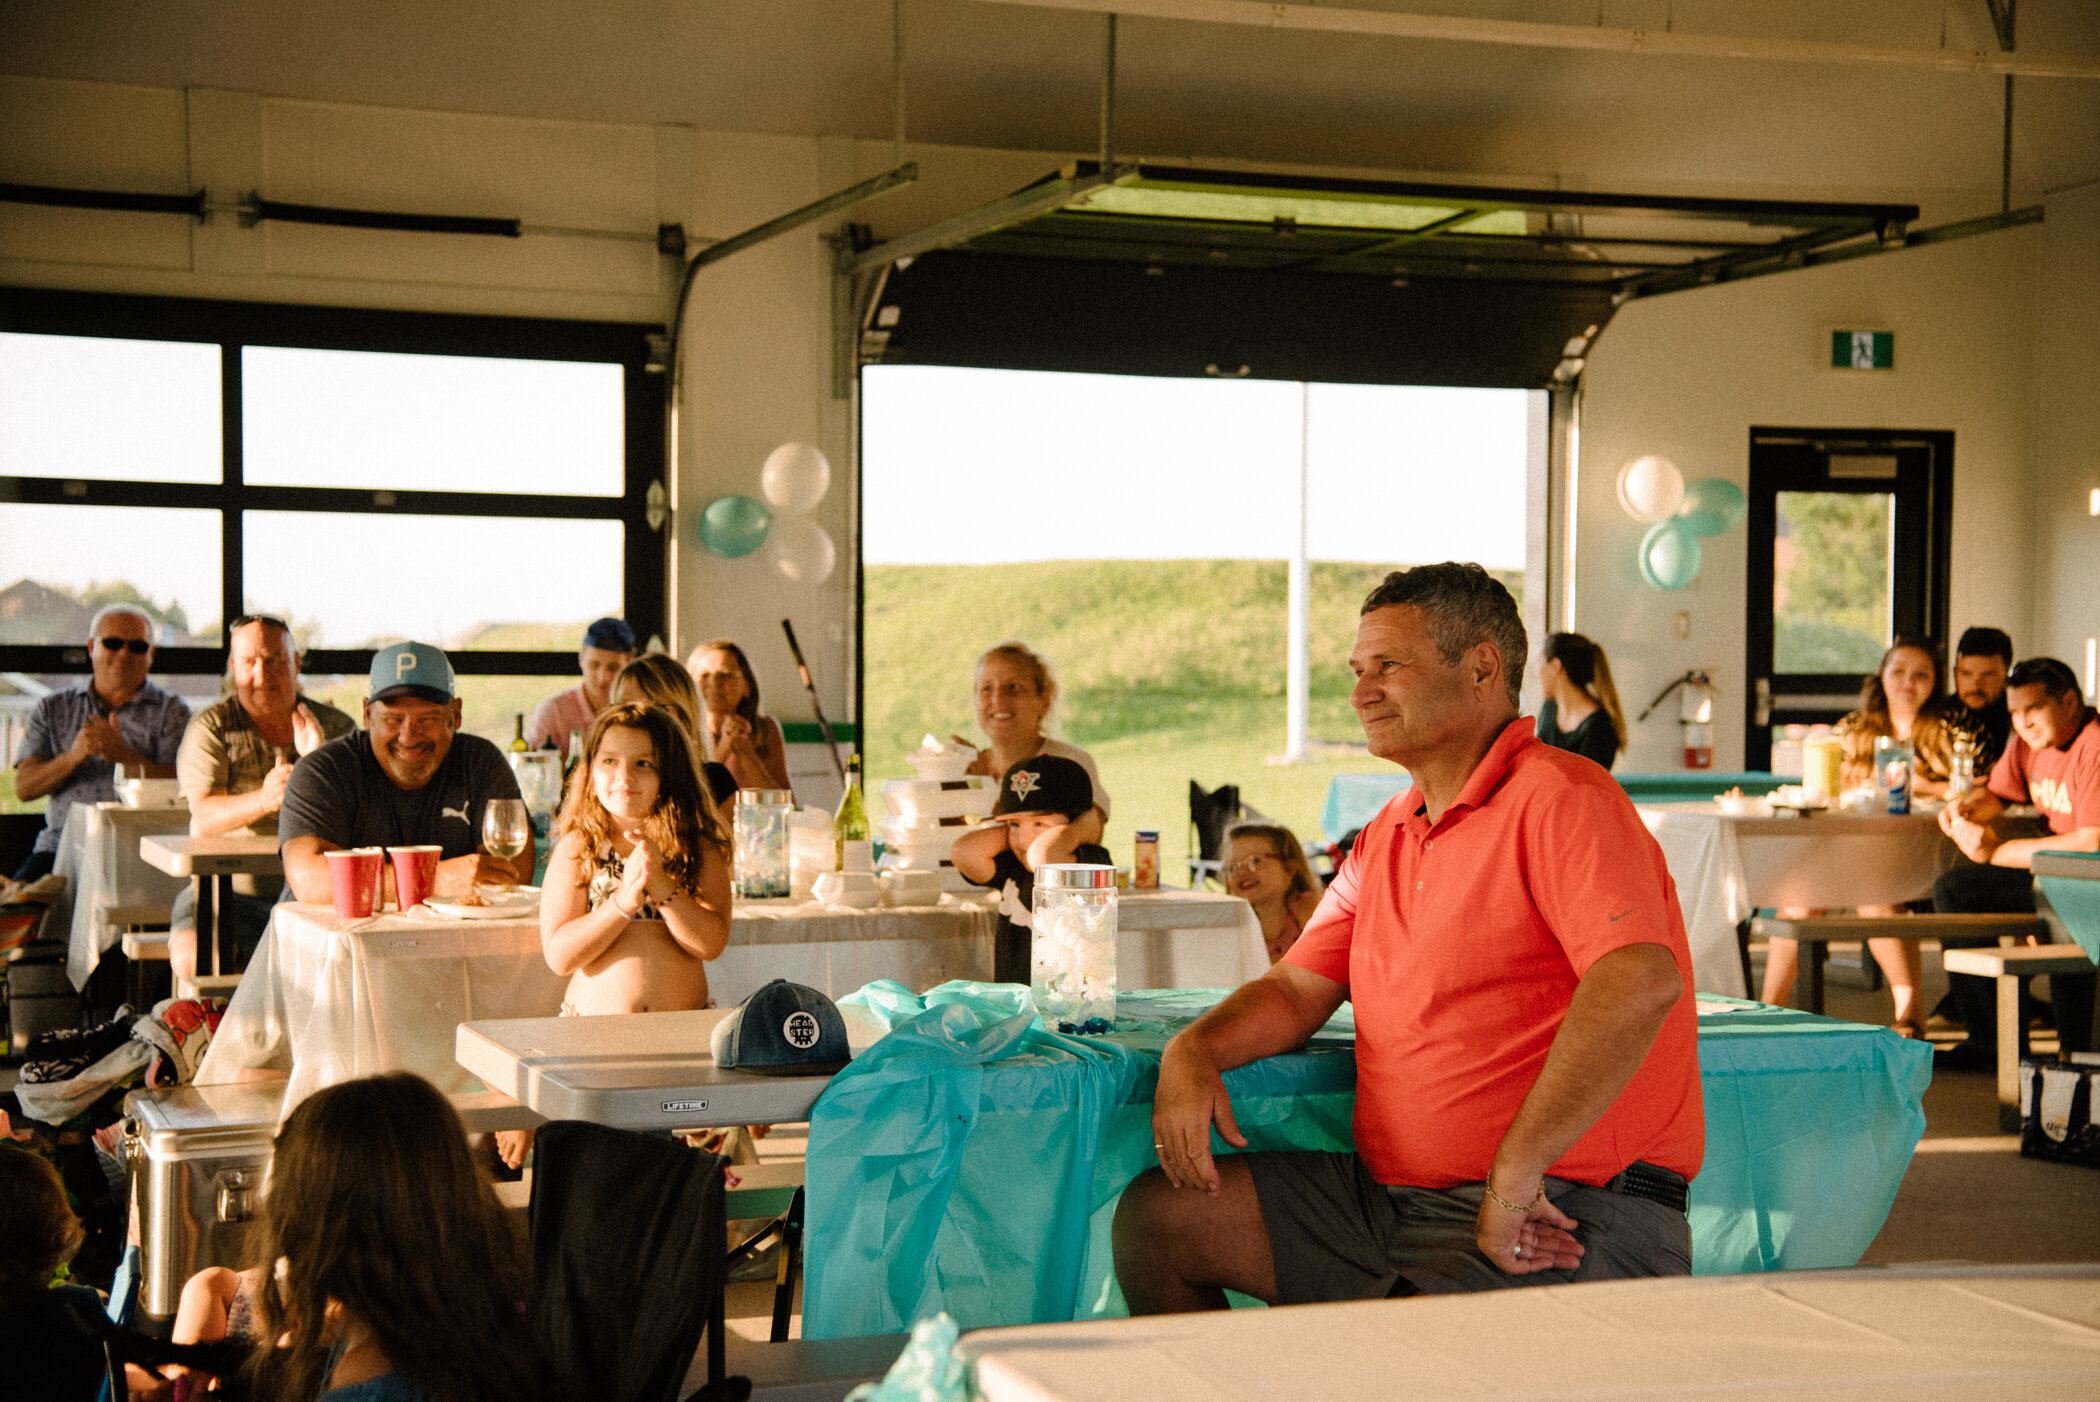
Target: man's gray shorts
1336, 1233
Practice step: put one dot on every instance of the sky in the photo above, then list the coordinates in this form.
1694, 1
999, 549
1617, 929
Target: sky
960, 467
968, 466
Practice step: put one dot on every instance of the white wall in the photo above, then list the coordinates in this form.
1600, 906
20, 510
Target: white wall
1687, 375
2066, 412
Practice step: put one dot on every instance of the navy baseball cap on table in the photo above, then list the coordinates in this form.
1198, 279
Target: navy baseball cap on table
412, 669
1045, 784
782, 1029
609, 635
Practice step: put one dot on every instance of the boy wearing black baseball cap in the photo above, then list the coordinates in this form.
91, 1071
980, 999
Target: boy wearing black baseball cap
1031, 825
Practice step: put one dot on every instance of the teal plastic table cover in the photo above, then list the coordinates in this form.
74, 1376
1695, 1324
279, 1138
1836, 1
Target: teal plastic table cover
2076, 899
971, 1160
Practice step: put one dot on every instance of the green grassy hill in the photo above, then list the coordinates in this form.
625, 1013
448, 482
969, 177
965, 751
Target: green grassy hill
1171, 670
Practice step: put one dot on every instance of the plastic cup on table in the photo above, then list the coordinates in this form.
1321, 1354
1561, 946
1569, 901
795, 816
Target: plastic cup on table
353, 878
415, 874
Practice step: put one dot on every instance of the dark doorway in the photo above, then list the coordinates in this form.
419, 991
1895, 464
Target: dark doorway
1849, 533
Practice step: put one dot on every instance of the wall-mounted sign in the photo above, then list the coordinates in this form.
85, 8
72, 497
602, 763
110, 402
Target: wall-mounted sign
1862, 350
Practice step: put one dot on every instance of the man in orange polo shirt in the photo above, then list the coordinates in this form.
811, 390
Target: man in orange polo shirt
1527, 1107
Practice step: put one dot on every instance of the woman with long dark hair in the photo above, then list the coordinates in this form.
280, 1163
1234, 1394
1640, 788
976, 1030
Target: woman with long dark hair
398, 1279
1581, 713
737, 734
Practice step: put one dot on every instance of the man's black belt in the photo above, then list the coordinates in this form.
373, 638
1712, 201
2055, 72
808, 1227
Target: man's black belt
1644, 1180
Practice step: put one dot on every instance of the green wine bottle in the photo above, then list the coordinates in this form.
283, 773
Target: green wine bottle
850, 823
517, 741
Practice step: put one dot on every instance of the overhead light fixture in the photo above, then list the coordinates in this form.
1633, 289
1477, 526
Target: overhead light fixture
1282, 209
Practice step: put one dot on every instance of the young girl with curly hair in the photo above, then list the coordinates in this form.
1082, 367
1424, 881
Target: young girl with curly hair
636, 896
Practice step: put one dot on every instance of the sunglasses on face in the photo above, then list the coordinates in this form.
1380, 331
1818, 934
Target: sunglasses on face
134, 646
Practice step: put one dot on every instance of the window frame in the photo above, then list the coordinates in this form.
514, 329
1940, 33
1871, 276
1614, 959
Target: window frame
233, 325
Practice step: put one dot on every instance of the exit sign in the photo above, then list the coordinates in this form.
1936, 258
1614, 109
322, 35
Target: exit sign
1863, 350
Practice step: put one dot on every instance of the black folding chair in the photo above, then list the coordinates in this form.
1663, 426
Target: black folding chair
629, 1241
1209, 815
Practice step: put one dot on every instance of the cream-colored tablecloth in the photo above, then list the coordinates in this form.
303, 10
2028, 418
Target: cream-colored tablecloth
327, 999
1863, 1336
98, 854
1728, 867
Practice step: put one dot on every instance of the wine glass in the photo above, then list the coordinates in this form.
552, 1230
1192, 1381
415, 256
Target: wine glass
506, 829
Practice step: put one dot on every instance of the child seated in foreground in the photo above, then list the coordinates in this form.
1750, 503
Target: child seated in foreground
45, 1335
1031, 824
636, 897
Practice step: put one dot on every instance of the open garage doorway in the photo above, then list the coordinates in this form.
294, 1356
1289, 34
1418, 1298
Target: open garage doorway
1137, 531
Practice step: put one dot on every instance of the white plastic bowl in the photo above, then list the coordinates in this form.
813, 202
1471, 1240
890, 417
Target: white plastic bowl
913, 799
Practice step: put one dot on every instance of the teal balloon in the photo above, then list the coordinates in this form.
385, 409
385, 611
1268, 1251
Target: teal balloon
1670, 554
1713, 505
735, 526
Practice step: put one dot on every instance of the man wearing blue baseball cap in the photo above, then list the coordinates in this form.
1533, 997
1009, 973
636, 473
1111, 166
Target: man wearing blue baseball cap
608, 645
409, 778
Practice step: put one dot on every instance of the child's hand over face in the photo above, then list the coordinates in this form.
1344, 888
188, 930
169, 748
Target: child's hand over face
1043, 836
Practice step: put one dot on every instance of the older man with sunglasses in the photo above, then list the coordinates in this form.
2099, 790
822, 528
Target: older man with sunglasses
78, 736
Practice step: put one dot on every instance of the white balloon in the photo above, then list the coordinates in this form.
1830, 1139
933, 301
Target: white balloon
802, 550
1651, 489
795, 477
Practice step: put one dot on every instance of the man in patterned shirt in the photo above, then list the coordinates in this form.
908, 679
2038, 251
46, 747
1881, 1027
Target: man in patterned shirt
78, 736
235, 760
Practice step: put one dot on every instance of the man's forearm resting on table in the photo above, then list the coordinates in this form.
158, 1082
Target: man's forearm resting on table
1265, 1017
306, 868
1618, 1009
214, 814
2020, 852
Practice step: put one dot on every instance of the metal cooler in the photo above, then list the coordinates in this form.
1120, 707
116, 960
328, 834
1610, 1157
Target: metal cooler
197, 1170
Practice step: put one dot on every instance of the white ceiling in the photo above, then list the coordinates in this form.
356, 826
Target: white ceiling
1014, 77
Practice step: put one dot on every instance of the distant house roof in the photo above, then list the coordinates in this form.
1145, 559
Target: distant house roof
32, 613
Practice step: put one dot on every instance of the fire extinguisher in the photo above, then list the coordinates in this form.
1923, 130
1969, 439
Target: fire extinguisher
1695, 716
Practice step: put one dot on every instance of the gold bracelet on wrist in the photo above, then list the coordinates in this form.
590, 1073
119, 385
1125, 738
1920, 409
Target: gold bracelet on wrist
1506, 1205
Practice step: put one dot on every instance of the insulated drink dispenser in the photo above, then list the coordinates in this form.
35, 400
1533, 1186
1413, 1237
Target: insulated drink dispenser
1073, 977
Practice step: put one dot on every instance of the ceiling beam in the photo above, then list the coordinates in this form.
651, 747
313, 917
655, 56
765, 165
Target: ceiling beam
1394, 24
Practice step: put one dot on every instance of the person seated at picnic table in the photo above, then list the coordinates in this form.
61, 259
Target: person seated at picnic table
2052, 762
1016, 692
1982, 660
608, 645
76, 737
235, 761
655, 678
1265, 866
408, 778
735, 733
398, 1277
1038, 818
1900, 699
1581, 713
1528, 1104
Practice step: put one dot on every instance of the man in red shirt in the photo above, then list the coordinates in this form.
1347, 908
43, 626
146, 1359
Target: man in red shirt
2052, 762
1528, 1105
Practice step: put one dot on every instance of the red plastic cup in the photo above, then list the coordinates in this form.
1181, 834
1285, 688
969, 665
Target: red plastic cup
353, 877
415, 874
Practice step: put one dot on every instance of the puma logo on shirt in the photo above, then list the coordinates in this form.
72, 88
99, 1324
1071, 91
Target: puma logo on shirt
459, 813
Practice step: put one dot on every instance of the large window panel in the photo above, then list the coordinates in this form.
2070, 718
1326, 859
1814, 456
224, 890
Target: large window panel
386, 421
476, 583
58, 564
98, 408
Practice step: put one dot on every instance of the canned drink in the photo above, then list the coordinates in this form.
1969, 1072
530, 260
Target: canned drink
1892, 767
1144, 872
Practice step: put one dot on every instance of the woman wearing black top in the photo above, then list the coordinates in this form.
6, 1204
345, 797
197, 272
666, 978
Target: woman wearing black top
1582, 706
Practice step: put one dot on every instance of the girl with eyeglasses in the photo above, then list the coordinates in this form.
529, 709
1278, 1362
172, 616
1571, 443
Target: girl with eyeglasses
1265, 866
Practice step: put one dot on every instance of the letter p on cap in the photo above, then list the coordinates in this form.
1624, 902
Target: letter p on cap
404, 663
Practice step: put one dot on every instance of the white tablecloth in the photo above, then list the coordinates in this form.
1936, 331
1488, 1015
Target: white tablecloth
1890, 1336
327, 999
1728, 867
98, 854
